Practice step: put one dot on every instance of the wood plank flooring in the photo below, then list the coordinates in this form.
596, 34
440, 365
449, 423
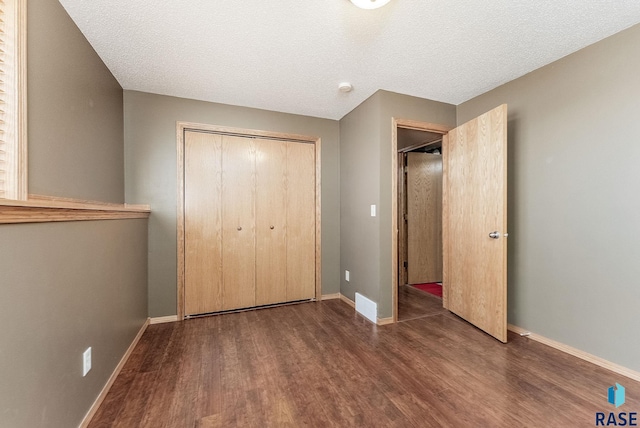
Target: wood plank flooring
321, 365
414, 303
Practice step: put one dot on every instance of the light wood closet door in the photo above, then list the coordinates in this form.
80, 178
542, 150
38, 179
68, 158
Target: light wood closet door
424, 217
301, 226
203, 222
250, 222
271, 250
238, 223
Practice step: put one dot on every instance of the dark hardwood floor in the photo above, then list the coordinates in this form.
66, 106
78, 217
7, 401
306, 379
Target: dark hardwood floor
414, 303
321, 365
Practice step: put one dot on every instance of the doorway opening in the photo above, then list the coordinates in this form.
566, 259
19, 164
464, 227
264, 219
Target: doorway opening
417, 221
420, 238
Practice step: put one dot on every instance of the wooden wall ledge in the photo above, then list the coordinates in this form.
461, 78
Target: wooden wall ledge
43, 209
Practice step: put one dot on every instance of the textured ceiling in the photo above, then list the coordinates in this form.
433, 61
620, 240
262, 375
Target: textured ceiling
290, 55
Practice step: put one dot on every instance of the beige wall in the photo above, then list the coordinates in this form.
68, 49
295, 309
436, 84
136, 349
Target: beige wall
67, 286
151, 165
574, 238
359, 189
76, 136
366, 173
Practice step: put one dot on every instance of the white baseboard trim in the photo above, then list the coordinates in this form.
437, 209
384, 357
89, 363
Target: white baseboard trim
96, 404
162, 320
601, 362
330, 296
348, 301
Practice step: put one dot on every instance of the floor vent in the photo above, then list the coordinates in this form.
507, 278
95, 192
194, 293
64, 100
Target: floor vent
367, 308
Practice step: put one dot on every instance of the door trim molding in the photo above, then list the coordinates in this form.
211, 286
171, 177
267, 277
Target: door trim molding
318, 143
181, 127
419, 126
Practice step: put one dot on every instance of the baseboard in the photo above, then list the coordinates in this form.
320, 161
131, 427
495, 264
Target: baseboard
330, 296
161, 320
601, 362
348, 301
96, 404
385, 321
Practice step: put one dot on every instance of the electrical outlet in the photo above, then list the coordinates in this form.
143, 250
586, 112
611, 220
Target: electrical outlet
346, 275
86, 361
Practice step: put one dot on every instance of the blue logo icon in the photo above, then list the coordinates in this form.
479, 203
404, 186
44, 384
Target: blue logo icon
616, 395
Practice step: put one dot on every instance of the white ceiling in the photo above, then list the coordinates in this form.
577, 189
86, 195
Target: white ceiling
290, 55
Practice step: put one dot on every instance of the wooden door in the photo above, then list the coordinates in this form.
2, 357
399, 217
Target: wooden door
271, 199
424, 218
249, 222
475, 206
238, 222
301, 221
203, 221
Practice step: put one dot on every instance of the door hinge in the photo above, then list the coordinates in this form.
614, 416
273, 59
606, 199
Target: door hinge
406, 169
406, 264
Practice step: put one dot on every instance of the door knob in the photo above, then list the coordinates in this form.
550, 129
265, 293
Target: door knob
239, 227
494, 235
272, 227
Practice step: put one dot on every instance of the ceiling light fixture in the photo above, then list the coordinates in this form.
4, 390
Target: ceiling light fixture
370, 4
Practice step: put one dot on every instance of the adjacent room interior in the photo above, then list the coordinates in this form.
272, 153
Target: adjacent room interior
221, 256
420, 223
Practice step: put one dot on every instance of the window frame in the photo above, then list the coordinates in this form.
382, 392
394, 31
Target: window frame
14, 108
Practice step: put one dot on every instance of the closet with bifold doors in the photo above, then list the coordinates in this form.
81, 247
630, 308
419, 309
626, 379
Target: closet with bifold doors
249, 221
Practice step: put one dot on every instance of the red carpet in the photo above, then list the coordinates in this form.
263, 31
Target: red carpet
431, 288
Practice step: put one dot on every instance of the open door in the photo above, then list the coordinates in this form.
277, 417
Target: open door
475, 222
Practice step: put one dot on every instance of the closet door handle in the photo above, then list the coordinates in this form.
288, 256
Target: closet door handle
272, 227
239, 227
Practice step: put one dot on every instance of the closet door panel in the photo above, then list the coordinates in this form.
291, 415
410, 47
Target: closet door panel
271, 163
301, 215
238, 222
203, 221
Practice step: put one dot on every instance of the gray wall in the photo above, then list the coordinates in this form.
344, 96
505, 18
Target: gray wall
400, 107
75, 111
366, 173
68, 286
65, 287
151, 165
574, 238
359, 189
